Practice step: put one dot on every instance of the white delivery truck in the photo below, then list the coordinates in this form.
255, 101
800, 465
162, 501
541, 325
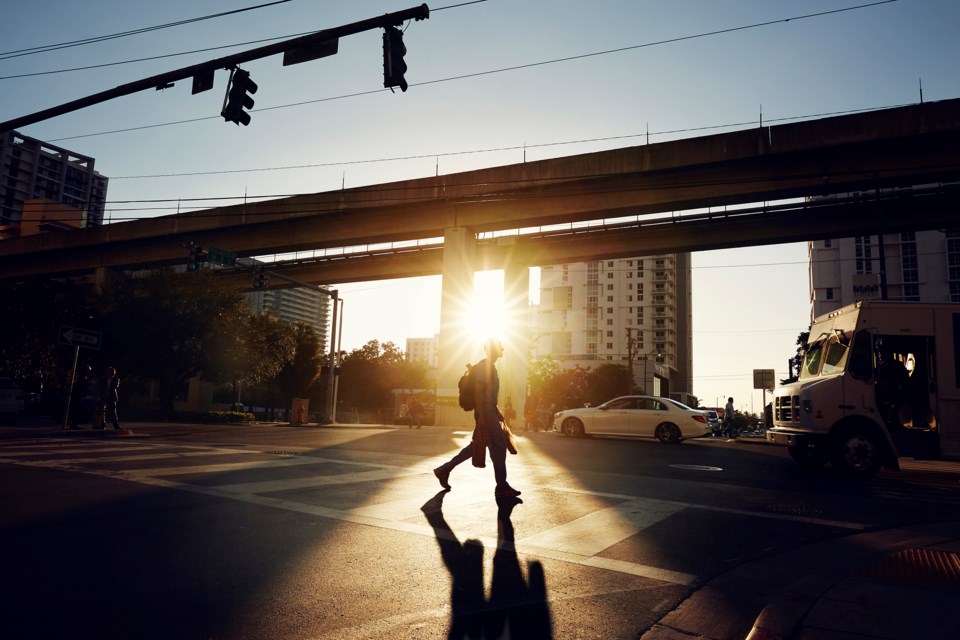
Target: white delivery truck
879, 380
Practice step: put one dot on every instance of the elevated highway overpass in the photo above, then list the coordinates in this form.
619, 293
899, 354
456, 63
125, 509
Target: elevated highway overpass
685, 195
864, 152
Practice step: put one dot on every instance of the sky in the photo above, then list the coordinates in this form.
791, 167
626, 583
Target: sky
491, 83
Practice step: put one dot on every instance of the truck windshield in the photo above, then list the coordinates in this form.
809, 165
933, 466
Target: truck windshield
826, 357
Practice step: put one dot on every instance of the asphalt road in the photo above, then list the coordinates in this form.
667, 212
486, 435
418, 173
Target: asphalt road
273, 532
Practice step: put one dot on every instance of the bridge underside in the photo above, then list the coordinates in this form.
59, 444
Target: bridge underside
882, 149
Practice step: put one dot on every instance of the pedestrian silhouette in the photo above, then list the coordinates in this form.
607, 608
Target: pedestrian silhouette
488, 431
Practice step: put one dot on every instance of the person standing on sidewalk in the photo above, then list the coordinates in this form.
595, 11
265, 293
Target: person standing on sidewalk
110, 397
728, 417
487, 431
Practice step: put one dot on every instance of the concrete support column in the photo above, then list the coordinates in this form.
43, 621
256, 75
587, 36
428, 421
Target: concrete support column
516, 341
456, 346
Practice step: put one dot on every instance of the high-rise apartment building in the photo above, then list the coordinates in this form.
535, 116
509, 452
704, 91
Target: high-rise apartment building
31, 169
424, 350
300, 304
921, 266
614, 310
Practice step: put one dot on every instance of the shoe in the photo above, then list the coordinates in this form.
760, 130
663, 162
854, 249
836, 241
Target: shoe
506, 492
442, 475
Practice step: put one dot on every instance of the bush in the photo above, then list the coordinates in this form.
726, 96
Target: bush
227, 417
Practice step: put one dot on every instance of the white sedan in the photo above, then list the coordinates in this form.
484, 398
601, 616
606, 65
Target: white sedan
645, 416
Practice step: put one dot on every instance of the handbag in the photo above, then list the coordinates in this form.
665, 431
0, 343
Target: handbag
511, 441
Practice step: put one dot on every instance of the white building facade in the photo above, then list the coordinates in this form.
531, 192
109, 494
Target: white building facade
628, 311
424, 350
921, 266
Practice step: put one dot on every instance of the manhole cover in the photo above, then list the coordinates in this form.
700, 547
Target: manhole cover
795, 509
695, 467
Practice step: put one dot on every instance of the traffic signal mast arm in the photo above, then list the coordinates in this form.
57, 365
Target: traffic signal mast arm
245, 262
165, 80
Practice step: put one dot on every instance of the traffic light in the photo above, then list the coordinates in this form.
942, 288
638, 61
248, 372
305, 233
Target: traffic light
261, 277
237, 99
196, 257
393, 65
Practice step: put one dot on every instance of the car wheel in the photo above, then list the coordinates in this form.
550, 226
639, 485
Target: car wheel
668, 432
857, 453
807, 457
573, 427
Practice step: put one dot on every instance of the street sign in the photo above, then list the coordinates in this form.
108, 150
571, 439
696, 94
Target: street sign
85, 338
311, 52
221, 256
764, 379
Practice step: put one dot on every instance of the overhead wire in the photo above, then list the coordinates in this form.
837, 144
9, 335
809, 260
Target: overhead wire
504, 69
93, 40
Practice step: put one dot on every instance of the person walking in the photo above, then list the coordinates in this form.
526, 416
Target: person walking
416, 412
728, 412
110, 397
487, 432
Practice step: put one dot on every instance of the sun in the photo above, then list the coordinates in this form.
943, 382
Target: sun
488, 313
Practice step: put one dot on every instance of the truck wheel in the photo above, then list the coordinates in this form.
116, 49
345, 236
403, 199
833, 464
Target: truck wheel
857, 453
807, 457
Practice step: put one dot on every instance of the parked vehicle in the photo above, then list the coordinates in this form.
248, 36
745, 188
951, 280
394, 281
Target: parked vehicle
643, 416
11, 400
713, 419
879, 380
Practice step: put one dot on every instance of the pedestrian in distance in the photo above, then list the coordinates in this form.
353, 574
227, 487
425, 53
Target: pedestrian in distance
403, 415
728, 412
488, 433
110, 396
416, 412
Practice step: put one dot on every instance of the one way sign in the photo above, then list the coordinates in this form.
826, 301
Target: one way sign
80, 337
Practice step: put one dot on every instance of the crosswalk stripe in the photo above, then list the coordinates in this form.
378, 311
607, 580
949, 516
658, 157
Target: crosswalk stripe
590, 534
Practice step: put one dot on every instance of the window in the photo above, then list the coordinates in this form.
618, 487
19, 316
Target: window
609, 322
827, 244
830, 293
864, 253
609, 345
609, 334
609, 298
609, 309
629, 298
610, 264
609, 287
610, 275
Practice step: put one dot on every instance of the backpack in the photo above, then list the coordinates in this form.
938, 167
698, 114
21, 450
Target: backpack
466, 385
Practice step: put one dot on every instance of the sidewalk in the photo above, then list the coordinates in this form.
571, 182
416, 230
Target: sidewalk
895, 584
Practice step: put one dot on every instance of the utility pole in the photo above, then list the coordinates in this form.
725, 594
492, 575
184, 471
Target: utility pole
203, 73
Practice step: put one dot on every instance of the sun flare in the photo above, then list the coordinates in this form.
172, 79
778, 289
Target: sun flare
488, 313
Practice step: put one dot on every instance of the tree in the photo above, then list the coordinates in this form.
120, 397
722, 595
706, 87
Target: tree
299, 373
171, 326
606, 381
369, 374
32, 316
796, 362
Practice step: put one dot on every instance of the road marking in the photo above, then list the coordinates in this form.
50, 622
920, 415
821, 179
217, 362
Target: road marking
578, 542
598, 530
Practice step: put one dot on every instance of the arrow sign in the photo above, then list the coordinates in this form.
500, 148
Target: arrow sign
80, 337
